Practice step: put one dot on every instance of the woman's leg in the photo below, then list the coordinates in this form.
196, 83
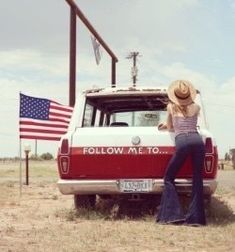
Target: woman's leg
170, 208
196, 213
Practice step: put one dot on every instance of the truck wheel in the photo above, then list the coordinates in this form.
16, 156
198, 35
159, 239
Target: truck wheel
84, 201
207, 200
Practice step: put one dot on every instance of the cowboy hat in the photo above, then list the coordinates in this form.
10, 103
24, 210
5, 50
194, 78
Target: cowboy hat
181, 92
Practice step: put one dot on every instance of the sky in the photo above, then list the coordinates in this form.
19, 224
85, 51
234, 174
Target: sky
183, 39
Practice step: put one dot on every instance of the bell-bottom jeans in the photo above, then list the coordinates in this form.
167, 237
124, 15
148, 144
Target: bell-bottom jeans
189, 144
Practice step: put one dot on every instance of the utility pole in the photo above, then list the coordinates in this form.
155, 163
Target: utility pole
134, 70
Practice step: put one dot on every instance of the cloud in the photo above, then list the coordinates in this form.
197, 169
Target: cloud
232, 4
33, 61
37, 66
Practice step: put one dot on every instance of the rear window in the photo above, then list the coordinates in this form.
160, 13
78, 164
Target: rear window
126, 110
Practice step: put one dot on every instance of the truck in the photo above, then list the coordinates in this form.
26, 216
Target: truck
113, 146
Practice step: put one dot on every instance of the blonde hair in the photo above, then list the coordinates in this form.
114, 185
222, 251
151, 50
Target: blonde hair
183, 109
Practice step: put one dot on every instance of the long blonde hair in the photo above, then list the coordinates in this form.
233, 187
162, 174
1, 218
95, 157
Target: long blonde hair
183, 109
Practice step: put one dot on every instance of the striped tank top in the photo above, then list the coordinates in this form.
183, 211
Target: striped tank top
184, 124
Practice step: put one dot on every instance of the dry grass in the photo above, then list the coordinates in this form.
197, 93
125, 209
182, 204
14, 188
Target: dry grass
226, 165
46, 170
44, 220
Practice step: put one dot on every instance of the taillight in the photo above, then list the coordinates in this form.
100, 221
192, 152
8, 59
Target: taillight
64, 146
209, 145
64, 165
209, 163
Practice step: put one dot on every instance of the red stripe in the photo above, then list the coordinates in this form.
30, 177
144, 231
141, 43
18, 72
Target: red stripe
41, 138
58, 120
60, 115
43, 131
43, 124
62, 109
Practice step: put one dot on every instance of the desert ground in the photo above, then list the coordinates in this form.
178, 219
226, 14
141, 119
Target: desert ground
39, 218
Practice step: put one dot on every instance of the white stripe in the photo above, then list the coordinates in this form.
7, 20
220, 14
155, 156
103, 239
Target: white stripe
22, 134
43, 121
42, 128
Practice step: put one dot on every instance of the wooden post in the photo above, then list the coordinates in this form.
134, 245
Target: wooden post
27, 149
113, 77
27, 167
72, 69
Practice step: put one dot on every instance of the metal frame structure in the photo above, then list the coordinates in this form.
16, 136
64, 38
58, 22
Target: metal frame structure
74, 12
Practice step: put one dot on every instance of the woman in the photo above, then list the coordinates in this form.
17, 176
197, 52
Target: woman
182, 119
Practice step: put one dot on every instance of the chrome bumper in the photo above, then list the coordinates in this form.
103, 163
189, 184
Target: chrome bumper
112, 186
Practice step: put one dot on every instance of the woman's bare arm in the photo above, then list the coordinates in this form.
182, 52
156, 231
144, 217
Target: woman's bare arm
168, 125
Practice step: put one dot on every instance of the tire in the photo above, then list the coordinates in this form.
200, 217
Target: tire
207, 200
84, 201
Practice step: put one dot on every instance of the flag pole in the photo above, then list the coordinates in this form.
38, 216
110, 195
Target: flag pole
20, 170
36, 148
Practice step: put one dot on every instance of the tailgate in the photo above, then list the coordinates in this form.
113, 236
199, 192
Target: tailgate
121, 152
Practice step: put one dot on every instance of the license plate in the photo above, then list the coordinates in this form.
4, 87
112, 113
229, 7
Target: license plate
135, 185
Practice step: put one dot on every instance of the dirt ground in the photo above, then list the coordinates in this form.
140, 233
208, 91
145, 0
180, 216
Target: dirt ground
42, 219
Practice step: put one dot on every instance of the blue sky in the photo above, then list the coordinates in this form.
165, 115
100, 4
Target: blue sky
190, 39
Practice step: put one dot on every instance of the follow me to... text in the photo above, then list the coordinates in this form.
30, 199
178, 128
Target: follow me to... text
120, 150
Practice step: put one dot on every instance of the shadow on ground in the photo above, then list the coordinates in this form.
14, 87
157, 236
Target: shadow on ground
218, 212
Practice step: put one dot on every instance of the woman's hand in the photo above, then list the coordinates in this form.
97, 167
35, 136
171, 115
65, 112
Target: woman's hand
162, 126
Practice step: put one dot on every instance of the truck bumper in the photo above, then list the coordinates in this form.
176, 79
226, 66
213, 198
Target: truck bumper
111, 186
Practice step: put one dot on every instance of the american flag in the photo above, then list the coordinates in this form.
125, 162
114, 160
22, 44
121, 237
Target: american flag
43, 118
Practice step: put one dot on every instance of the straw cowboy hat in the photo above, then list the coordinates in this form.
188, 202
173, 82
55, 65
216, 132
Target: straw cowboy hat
181, 92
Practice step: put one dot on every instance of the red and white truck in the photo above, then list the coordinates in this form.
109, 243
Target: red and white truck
113, 146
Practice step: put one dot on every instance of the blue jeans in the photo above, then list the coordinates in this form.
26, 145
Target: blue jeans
190, 144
